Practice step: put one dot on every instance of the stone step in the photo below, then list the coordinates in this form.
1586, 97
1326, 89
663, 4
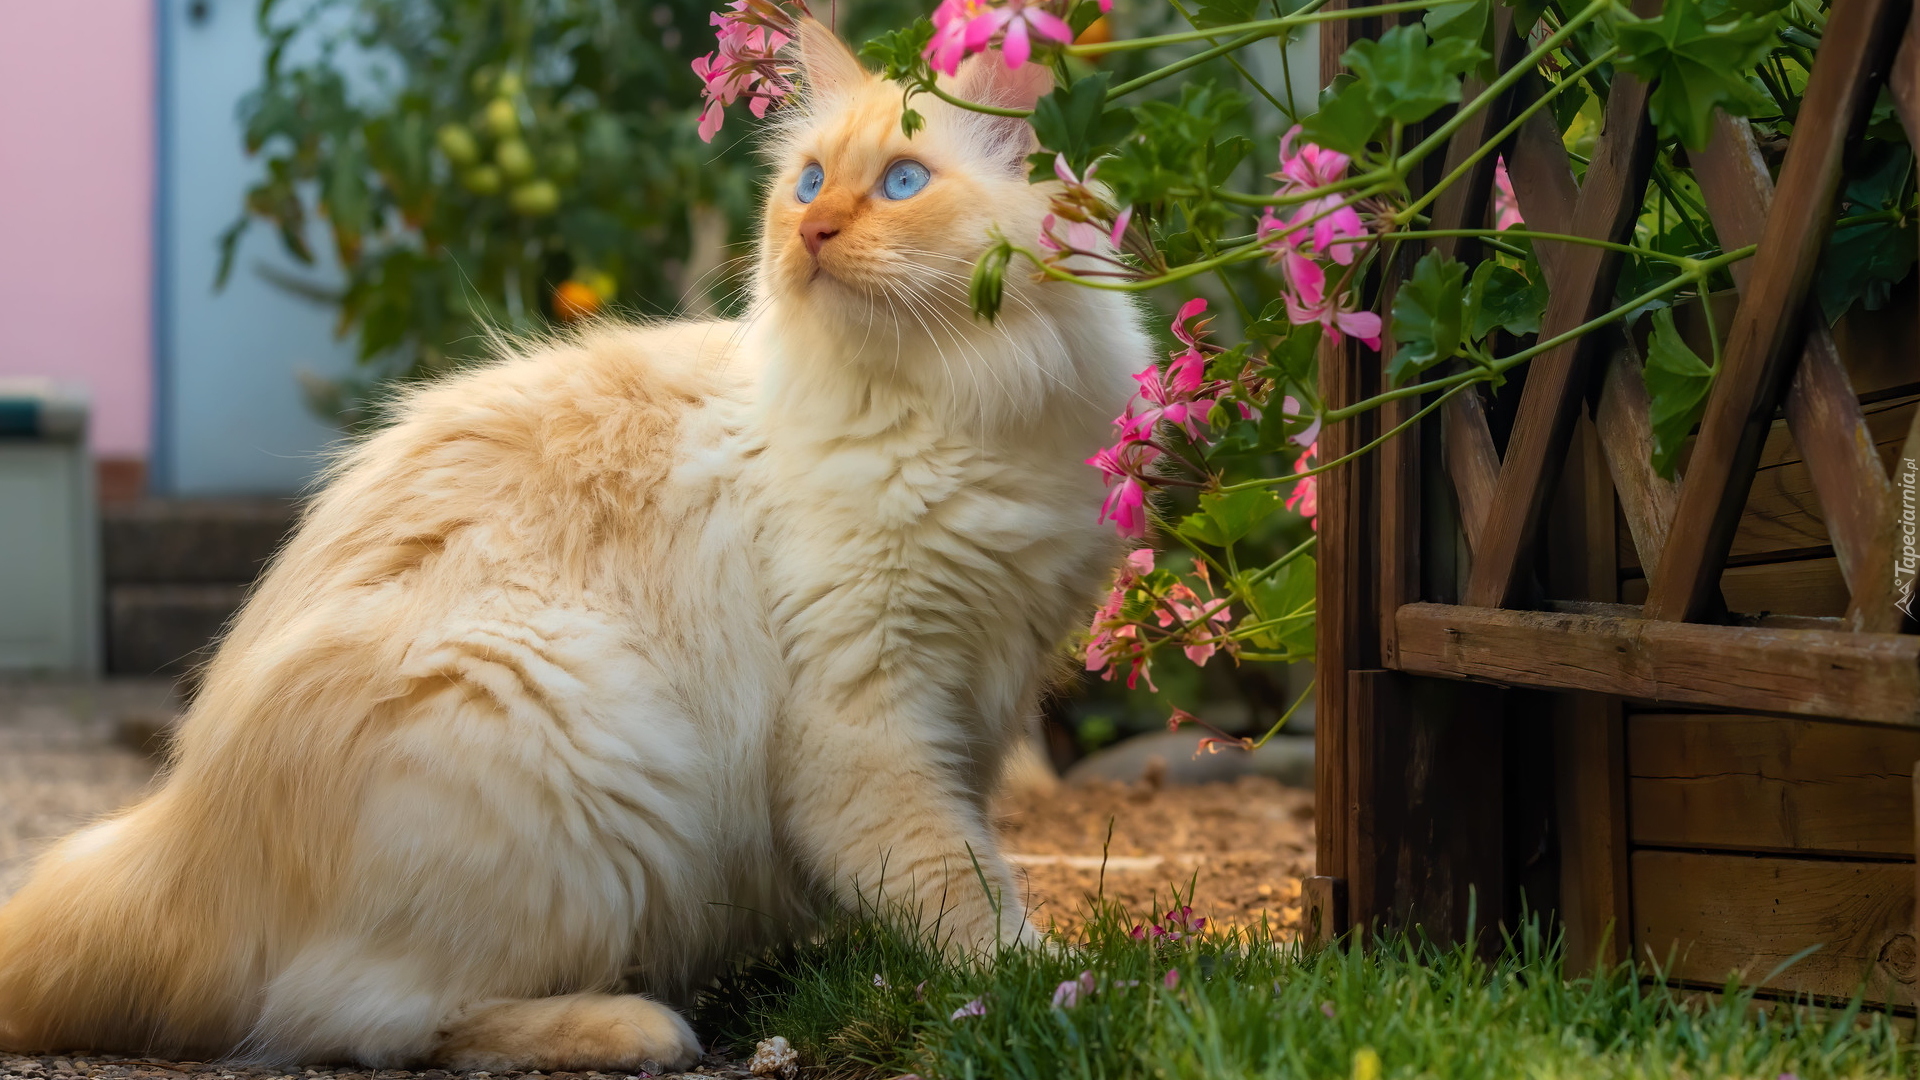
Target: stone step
166, 629
179, 541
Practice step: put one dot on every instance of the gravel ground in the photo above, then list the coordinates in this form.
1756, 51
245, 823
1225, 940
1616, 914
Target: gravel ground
69, 754
66, 759
1235, 851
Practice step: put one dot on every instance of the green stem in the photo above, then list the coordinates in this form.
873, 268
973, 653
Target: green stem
1523, 234
1305, 693
1237, 66
1500, 137
1702, 269
1181, 65
1263, 27
1275, 481
1500, 85
933, 88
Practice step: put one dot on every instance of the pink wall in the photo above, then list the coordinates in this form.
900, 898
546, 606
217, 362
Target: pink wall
76, 205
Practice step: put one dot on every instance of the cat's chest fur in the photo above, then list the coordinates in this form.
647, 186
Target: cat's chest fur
911, 549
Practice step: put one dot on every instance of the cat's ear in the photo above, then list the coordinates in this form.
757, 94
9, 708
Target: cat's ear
830, 67
985, 78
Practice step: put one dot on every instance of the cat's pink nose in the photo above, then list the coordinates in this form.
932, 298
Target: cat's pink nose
817, 233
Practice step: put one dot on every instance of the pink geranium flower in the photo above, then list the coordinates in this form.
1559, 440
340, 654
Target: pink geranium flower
1305, 498
1290, 405
1188, 326
963, 27
1172, 395
1304, 170
1125, 468
1112, 636
1209, 619
1506, 205
1308, 301
745, 64
1079, 235
949, 44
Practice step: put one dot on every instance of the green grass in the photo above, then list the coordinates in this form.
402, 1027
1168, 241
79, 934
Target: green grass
868, 1001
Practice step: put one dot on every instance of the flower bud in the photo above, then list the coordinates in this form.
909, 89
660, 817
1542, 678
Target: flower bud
989, 280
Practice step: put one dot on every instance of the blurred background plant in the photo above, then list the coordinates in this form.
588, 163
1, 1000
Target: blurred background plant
482, 164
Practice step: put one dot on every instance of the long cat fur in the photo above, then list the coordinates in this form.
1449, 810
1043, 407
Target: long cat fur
613, 657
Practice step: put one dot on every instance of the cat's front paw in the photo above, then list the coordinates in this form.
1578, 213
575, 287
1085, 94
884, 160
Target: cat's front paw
575, 1032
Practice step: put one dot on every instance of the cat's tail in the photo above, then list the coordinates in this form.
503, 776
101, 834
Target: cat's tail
125, 938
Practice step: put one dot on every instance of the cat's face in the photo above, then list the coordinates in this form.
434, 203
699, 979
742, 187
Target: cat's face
861, 216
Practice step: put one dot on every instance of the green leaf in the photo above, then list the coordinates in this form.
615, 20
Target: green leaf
1696, 66
1407, 77
897, 52
1075, 121
1287, 591
1461, 19
1677, 385
1226, 12
1861, 263
1226, 518
1427, 315
1501, 296
1346, 119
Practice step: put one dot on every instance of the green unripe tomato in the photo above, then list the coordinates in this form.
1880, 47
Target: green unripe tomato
458, 144
481, 180
535, 198
513, 157
509, 85
501, 117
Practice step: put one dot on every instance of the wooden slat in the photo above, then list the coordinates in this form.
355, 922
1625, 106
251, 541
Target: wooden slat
1323, 909
1811, 587
1608, 204
1543, 170
1398, 478
1766, 334
1872, 677
1590, 774
1822, 410
1761, 783
1464, 204
1783, 517
1543, 184
1718, 914
1471, 459
1345, 624
1428, 801
1877, 346
1647, 499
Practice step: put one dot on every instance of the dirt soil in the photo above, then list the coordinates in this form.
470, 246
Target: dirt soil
1235, 851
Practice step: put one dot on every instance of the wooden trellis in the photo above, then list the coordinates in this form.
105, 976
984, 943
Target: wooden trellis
1515, 643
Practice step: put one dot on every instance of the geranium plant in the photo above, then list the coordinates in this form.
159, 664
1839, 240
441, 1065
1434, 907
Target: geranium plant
1163, 188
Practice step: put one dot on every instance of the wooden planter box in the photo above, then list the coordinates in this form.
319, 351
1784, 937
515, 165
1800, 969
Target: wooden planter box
1680, 717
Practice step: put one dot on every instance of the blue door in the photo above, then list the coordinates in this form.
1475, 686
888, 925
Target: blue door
229, 415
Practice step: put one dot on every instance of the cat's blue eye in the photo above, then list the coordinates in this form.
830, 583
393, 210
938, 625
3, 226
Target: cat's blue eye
904, 179
811, 178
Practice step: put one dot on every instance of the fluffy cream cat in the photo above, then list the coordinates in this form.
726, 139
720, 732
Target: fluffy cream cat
616, 657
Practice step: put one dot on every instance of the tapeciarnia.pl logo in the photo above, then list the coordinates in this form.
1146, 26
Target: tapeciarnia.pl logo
1906, 566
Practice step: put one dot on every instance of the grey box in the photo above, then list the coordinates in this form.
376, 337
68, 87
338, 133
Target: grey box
49, 532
